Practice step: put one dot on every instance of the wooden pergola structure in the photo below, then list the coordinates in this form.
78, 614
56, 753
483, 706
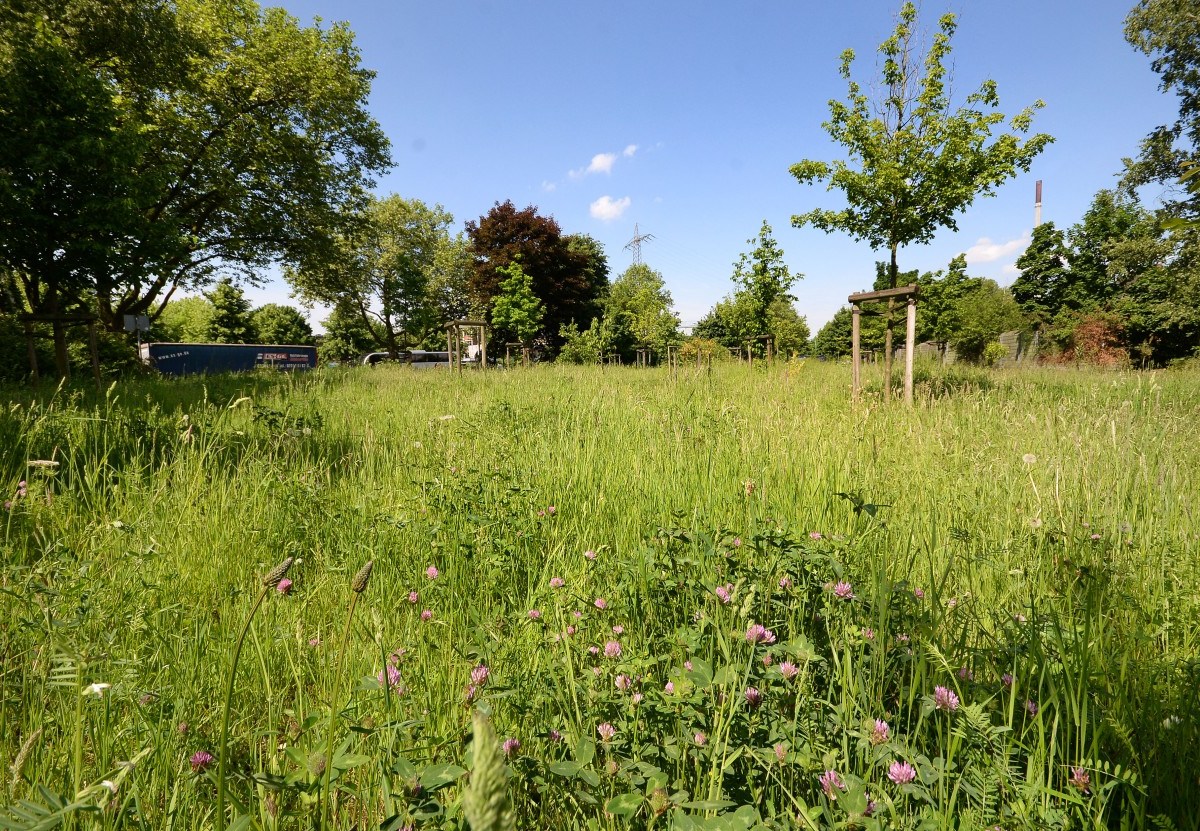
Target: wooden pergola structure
455, 341
768, 348
908, 293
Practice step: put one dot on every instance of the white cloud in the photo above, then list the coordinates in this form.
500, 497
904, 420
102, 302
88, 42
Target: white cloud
629, 151
600, 163
549, 187
606, 209
986, 251
1011, 268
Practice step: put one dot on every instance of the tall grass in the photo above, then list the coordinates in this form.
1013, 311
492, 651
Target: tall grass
1046, 518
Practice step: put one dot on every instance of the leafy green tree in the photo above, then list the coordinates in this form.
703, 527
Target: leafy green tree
281, 324
639, 312
387, 268
833, 340
347, 335
762, 278
230, 321
1044, 284
594, 265
586, 346
187, 320
516, 309
984, 313
1168, 32
788, 328
158, 143
940, 298
448, 290
918, 161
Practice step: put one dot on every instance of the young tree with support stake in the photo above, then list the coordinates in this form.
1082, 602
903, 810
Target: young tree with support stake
917, 162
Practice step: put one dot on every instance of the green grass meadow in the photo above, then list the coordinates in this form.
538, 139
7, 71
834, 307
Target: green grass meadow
777, 610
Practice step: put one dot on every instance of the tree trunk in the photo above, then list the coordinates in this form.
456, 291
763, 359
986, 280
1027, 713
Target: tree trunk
62, 364
893, 277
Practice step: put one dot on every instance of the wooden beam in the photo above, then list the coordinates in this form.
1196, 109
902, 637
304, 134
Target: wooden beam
883, 294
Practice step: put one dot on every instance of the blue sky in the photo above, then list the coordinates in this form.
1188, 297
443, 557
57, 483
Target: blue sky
685, 117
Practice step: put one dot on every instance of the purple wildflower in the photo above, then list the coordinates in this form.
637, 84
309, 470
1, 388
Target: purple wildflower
612, 649
557, 582
780, 752
843, 590
555, 736
600, 603
593, 650
535, 614
1031, 706
606, 731
413, 597
725, 593
389, 676
618, 629
815, 535
636, 698
700, 739
945, 699
432, 572
479, 675
511, 746
589, 554
757, 633
550, 509
785, 582
200, 760
753, 697
623, 682
788, 670
1007, 680
881, 733
669, 688
1080, 780
919, 593
830, 783
687, 665
284, 586
571, 630
901, 773
868, 633
426, 615
737, 542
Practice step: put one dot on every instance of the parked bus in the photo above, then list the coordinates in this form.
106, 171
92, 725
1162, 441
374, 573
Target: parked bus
201, 358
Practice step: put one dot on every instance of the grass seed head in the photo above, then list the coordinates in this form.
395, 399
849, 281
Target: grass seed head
278, 573
363, 577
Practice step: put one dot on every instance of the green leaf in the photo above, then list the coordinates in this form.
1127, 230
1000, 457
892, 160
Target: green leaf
438, 776
625, 805
585, 751
566, 769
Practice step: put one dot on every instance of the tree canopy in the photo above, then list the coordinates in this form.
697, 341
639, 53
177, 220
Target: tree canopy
145, 145
568, 275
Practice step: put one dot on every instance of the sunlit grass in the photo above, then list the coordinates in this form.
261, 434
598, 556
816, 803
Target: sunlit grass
1047, 517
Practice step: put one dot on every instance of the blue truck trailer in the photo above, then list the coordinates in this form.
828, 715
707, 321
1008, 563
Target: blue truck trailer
201, 358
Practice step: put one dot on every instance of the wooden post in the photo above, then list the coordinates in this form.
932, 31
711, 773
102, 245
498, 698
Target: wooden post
483, 347
750, 354
910, 344
887, 351
855, 353
450, 344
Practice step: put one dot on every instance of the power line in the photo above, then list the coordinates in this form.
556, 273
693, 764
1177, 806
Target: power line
635, 244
